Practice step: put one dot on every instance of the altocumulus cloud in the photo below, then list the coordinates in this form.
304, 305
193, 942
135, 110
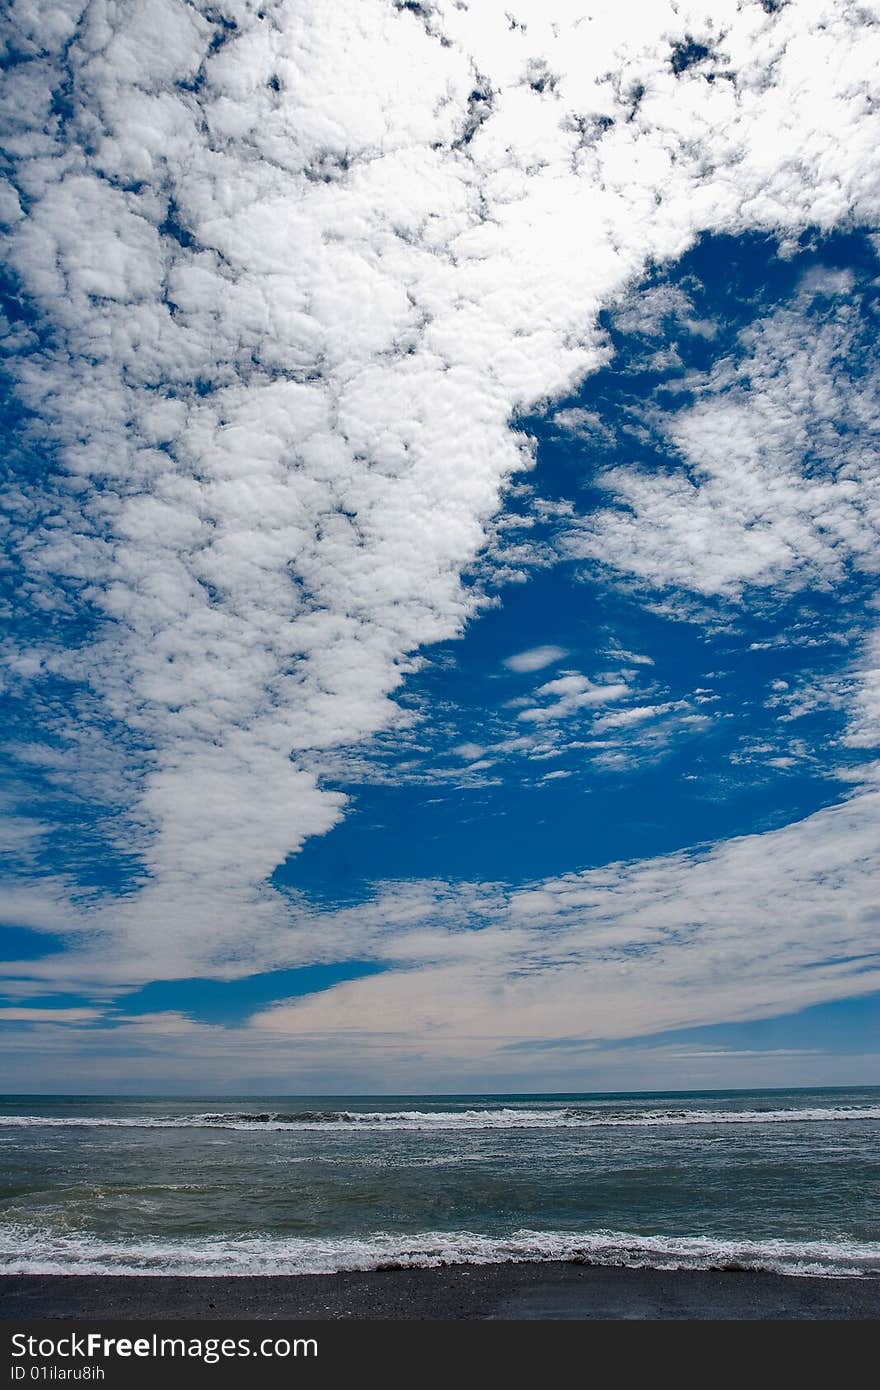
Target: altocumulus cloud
292, 277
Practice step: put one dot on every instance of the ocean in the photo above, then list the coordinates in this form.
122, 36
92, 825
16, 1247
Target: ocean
778, 1180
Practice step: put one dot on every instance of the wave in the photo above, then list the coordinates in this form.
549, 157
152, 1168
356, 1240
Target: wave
24, 1250
506, 1118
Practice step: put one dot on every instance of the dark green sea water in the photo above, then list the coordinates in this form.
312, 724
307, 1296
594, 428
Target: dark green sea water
772, 1179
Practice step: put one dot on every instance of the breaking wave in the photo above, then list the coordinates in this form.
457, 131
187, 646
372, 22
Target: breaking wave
24, 1250
436, 1120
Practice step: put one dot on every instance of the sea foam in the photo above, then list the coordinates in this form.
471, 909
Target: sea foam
26, 1250
570, 1117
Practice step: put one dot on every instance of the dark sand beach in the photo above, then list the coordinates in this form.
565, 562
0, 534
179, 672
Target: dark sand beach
512, 1291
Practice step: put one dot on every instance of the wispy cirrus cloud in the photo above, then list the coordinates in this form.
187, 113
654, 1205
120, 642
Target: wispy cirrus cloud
760, 925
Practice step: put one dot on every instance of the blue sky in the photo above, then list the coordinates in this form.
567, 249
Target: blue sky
441, 589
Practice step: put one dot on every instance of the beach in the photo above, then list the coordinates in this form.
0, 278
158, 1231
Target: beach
555, 1290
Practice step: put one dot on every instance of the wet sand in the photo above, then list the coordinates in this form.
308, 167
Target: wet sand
520, 1292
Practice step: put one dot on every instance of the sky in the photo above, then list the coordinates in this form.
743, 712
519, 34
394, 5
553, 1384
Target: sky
441, 644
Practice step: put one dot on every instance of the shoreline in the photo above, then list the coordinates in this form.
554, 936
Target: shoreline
551, 1290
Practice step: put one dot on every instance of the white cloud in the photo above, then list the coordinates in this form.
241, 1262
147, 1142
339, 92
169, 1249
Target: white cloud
636, 714
469, 751
570, 694
864, 714
653, 312
13, 1014
774, 482
758, 926
587, 425
137, 1056
629, 658
299, 280
535, 659
755, 927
